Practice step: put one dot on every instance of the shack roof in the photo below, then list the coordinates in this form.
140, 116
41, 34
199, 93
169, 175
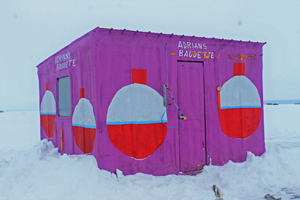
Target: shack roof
125, 32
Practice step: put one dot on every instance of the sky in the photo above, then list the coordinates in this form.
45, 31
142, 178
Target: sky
33, 30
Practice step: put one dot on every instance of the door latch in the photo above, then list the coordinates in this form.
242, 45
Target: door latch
182, 117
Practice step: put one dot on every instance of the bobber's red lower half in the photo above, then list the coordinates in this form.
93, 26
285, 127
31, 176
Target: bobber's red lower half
137, 140
47, 122
239, 122
84, 138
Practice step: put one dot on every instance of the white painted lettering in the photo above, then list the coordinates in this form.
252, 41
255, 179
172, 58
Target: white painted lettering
200, 45
64, 61
180, 45
63, 57
68, 55
188, 45
186, 54
180, 52
199, 54
192, 54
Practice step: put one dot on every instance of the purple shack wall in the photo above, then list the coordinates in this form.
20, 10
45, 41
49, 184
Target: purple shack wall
102, 61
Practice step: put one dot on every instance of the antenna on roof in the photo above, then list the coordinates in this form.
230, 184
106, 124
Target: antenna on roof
159, 34
171, 35
110, 30
136, 32
181, 36
148, 33
221, 40
123, 31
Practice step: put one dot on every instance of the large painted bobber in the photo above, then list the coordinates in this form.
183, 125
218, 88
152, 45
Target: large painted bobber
134, 118
239, 105
48, 112
84, 125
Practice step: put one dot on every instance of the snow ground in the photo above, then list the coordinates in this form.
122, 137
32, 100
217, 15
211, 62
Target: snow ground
33, 169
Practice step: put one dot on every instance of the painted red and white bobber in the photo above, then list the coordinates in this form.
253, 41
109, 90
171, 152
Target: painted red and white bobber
84, 124
134, 118
48, 112
239, 105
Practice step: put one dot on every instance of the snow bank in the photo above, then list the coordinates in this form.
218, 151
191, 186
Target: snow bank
41, 172
271, 173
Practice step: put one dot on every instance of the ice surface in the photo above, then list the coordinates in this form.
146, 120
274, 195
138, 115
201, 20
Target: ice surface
19, 129
33, 169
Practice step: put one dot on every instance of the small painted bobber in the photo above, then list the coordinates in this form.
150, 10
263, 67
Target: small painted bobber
48, 112
84, 125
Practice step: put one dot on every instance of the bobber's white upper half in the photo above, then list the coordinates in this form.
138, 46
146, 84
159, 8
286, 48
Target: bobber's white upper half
48, 105
136, 103
239, 92
83, 114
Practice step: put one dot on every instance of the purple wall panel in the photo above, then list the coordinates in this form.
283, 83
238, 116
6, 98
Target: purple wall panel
101, 62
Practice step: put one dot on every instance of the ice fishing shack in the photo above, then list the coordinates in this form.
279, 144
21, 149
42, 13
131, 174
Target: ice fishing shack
154, 103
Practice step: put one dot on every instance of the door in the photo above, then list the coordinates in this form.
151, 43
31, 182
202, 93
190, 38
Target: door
192, 150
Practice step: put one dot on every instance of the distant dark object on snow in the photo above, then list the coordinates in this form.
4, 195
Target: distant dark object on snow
275, 103
271, 197
297, 103
1, 111
269, 104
